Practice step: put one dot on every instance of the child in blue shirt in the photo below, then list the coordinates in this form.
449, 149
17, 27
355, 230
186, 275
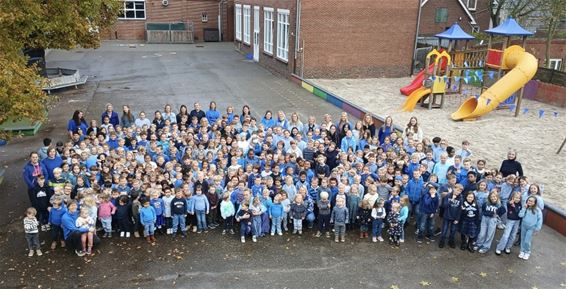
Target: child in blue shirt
158, 205
276, 215
531, 224
55, 215
200, 207
148, 217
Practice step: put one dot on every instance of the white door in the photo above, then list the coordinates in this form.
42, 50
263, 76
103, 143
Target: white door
256, 33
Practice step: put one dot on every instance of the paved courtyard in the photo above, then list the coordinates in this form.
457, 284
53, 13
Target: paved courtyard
147, 77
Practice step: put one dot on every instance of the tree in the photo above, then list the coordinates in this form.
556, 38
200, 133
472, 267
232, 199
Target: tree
553, 11
517, 9
57, 24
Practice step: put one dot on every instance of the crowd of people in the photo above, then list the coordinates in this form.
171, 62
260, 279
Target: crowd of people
194, 171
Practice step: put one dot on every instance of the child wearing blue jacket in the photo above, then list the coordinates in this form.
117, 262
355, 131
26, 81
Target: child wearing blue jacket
451, 206
531, 224
159, 206
148, 217
200, 207
428, 206
492, 210
56, 213
276, 215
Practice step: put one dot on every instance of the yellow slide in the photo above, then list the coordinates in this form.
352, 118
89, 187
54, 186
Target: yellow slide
523, 67
414, 97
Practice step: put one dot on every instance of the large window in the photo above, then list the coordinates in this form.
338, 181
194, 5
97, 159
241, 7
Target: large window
472, 4
441, 15
283, 34
247, 23
238, 16
268, 30
133, 10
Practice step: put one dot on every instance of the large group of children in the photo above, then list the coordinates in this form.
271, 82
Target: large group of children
203, 170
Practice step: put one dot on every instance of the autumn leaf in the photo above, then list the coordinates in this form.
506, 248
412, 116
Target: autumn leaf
394, 287
455, 279
483, 274
424, 283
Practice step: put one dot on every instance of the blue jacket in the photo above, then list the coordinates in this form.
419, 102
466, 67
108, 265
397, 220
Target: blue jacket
28, 176
268, 122
531, 220
147, 215
428, 204
276, 210
348, 142
212, 116
158, 205
68, 222
56, 215
414, 189
200, 203
452, 208
114, 119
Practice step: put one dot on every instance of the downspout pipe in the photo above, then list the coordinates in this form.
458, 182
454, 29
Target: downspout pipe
416, 39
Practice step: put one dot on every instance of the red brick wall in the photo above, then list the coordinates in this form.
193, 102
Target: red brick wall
358, 38
455, 12
537, 48
177, 10
271, 62
551, 94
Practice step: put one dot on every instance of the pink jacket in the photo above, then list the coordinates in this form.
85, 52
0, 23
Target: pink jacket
106, 210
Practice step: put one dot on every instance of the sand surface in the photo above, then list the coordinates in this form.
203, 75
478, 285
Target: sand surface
535, 139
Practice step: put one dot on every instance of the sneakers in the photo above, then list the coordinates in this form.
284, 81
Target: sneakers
79, 253
327, 234
497, 252
525, 256
380, 238
127, 234
402, 241
254, 239
232, 232
280, 233
53, 245
501, 226
39, 253
507, 251
136, 234
336, 239
300, 232
419, 240
374, 239
272, 233
521, 255
223, 232
195, 229
122, 234
343, 239
88, 251
318, 234
31, 252
482, 251
295, 232
243, 239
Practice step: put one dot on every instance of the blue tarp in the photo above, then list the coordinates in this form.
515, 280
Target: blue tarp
455, 32
509, 27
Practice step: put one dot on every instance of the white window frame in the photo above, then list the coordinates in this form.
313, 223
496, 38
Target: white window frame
135, 10
555, 63
283, 34
247, 24
472, 8
238, 12
268, 30
204, 17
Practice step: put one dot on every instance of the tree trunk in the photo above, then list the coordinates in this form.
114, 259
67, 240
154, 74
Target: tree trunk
548, 44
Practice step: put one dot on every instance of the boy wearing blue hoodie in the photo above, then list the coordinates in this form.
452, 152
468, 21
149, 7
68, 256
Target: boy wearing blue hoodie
428, 206
148, 217
276, 215
451, 204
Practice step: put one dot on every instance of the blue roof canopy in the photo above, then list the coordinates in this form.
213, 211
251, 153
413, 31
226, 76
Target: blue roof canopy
455, 32
509, 27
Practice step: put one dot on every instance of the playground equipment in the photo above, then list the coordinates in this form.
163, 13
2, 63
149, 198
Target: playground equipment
434, 84
519, 65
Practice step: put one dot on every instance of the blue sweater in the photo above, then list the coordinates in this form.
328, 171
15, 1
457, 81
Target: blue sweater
68, 222
51, 164
414, 189
28, 174
492, 210
56, 215
276, 210
428, 204
200, 203
212, 116
147, 215
531, 220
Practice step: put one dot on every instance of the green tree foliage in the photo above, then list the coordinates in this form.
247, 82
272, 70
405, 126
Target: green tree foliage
57, 24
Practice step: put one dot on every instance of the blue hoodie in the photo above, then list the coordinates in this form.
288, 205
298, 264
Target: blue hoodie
428, 204
28, 174
147, 215
451, 207
51, 164
68, 222
200, 203
276, 210
212, 116
414, 189
531, 219
56, 215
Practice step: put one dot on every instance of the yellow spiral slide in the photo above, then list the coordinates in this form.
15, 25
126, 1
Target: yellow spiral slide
523, 67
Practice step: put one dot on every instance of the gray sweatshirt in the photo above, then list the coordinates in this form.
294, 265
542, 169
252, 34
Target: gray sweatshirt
339, 215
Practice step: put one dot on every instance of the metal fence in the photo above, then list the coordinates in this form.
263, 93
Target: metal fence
551, 76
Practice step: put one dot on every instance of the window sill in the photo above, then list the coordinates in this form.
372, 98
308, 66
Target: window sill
131, 19
282, 60
268, 53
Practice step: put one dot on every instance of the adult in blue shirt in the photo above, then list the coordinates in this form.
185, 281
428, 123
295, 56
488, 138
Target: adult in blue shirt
268, 120
71, 232
52, 161
77, 123
114, 118
31, 171
212, 115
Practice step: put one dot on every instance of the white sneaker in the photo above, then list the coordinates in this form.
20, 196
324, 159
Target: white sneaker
501, 226
254, 239
402, 241
39, 253
507, 251
122, 234
280, 233
272, 233
521, 255
526, 256
374, 239
380, 239
127, 234
30, 254
243, 239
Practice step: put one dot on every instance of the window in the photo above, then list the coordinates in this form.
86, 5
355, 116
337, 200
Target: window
472, 4
441, 15
555, 63
238, 12
204, 17
283, 34
133, 10
268, 30
247, 18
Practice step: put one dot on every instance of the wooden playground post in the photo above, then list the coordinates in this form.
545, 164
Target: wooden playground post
520, 98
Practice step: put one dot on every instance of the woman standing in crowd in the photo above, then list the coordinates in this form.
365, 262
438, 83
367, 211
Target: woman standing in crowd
77, 124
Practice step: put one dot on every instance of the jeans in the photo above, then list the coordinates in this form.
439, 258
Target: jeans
509, 235
148, 229
415, 211
402, 230
426, 226
526, 239
504, 202
276, 225
339, 229
178, 220
57, 233
33, 241
448, 228
310, 219
243, 227
323, 223
106, 224
285, 220
256, 225
376, 227
487, 232
297, 224
201, 219
229, 223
